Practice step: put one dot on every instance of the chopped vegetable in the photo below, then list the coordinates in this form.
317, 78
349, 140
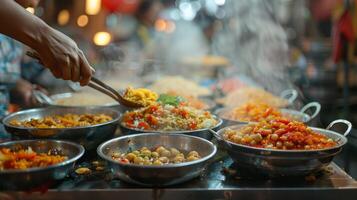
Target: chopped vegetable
27, 158
167, 99
280, 133
65, 121
168, 118
155, 156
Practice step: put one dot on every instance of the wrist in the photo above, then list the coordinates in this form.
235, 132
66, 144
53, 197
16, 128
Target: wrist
39, 36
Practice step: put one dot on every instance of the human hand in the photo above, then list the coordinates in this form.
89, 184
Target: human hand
22, 93
61, 55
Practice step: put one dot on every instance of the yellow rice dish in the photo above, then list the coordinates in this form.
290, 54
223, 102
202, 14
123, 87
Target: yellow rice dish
142, 96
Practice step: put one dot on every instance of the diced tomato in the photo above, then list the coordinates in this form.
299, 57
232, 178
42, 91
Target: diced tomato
124, 160
152, 120
153, 108
144, 125
193, 125
129, 122
184, 113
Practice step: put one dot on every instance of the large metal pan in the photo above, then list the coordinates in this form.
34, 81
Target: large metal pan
35, 177
290, 113
290, 95
89, 136
285, 162
149, 175
202, 133
45, 100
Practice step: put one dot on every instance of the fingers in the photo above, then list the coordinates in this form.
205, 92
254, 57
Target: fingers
56, 72
66, 68
86, 72
76, 70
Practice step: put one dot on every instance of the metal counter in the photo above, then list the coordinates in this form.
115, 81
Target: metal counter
220, 180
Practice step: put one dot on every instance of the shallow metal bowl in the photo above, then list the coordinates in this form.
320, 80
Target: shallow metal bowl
285, 162
202, 133
60, 96
89, 136
301, 115
35, 177
148, 175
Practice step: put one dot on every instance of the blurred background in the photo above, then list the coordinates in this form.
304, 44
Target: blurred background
277, 44
307, 45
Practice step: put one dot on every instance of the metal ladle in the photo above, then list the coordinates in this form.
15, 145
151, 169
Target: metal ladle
99, 86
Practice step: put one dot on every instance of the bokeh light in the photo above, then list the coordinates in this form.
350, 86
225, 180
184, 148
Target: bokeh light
82, 20
93, 6
102, 38
63, 17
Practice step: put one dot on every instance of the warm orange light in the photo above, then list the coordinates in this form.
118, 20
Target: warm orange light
93, 6
160, 25
63, 17
102, 38
82, 20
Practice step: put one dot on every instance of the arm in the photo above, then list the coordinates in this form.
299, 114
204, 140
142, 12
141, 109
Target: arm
56, 51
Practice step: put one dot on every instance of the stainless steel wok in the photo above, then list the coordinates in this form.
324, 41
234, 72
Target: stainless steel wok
285, 162
290, 113
35, 177
89, 136
149, 175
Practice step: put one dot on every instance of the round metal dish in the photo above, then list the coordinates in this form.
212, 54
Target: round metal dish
149, 175
89, 136
60, 96
35, 177
202, 133
285, 162
290, 113
290, 95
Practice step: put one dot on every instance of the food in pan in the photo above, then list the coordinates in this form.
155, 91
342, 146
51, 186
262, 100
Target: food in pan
156, 156
141, 96
65, 121
252, 94
168, 117
27, 158
252, 112
180, 86
196, 103
188, 100
279, 133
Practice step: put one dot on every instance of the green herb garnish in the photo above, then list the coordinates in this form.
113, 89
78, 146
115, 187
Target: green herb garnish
167, 99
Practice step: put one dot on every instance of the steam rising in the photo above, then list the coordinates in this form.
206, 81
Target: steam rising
255, 42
